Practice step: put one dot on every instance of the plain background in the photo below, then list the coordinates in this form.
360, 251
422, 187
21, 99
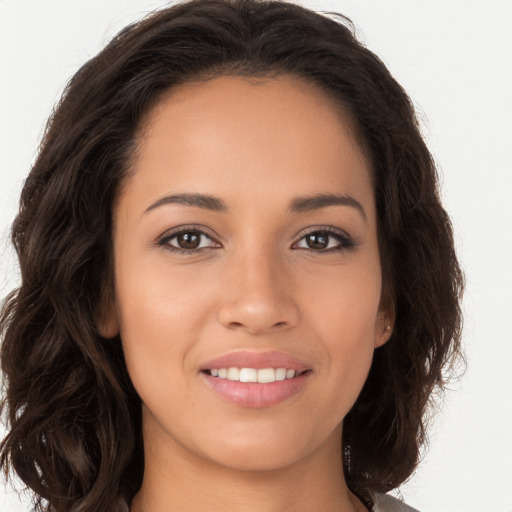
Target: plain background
454, 59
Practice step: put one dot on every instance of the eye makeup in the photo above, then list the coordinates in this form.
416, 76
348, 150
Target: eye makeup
322, 237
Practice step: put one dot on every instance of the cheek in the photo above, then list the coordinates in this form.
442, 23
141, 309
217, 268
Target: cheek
344, 303
344, 316
158, 312
153, 296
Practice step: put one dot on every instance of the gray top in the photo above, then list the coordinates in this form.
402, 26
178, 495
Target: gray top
387, 503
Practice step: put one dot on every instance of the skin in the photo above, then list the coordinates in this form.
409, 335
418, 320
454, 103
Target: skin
255, 285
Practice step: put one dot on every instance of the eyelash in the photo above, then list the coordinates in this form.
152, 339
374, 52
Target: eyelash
346, 243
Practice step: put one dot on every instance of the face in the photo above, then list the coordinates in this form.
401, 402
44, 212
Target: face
224, 259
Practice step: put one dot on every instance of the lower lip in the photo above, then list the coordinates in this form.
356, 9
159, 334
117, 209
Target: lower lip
254, 395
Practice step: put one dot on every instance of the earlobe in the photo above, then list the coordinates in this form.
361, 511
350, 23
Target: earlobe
109, 328
385, 326
107, 323
384, 336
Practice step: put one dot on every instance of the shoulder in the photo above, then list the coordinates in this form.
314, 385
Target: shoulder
387, 503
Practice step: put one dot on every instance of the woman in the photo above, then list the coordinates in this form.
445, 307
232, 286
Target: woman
239, 287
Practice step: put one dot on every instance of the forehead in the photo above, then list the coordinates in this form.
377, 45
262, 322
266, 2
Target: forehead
281, 136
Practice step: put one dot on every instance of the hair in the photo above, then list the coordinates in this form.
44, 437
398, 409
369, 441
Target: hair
74, 417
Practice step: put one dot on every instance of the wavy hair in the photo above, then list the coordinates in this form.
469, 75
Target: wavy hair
74, 418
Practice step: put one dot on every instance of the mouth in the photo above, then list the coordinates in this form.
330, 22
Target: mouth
256, 380
255, 375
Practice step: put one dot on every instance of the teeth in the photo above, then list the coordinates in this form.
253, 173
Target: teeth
234, 374
281, 374
247, 374
263, 375
266, 375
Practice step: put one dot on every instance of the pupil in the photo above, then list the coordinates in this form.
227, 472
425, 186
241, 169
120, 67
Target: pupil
318, 241
189, 240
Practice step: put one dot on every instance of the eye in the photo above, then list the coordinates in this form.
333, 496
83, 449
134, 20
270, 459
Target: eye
186, 240
326, 240
189, 239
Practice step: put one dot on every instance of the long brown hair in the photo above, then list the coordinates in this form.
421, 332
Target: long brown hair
74, 418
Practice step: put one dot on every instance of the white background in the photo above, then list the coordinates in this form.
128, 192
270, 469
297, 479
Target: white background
454, 58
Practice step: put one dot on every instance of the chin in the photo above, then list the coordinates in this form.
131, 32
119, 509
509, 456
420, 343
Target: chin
257, 460
266, 452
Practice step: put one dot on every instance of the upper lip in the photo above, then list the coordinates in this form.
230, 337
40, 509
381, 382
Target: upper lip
257, 360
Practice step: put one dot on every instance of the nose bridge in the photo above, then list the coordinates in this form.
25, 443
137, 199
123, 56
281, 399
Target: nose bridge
258, 295
258, 273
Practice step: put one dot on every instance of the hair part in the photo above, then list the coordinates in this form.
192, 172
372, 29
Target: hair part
74, 417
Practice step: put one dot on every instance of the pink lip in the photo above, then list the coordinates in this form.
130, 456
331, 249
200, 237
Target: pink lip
258, 360
252, 394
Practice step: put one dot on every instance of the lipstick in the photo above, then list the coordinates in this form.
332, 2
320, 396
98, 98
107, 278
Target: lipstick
256, 379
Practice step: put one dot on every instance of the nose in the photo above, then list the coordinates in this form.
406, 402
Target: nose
258, 295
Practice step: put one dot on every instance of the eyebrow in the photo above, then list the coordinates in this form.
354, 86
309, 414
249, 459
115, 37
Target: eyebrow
200, 200
318, 201
297, 205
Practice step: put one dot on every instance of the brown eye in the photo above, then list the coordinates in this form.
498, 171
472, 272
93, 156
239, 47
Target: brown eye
317, 240
187, 241
326, 241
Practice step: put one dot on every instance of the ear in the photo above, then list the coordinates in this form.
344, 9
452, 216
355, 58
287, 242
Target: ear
384, 326
107, 322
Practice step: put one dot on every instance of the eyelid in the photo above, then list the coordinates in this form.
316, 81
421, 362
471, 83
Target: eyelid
163, 239
346, 242
322, 229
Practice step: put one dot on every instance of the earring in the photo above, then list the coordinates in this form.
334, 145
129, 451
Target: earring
386, 330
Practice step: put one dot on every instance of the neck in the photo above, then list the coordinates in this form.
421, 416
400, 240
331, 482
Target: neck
175, 479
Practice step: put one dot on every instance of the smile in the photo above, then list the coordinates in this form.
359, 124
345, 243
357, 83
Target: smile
262, 375
256, 379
